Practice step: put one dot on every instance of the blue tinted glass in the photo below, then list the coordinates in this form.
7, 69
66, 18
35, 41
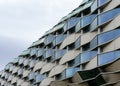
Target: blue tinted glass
107, 16
21, 60
39, 78
78, 26
49, 53
87, 56
108, 36
77, 60
108, 57
26, 62
31, 76
60, 38
94, 6
87, 20
33, 51
71, 71
94, 43
101, 2
59, 53
94, 24
77, 43
40, 52
20, 71
49, 39
32, 63
11, 68
72, 22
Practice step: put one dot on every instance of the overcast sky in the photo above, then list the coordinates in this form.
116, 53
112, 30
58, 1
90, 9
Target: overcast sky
24, 21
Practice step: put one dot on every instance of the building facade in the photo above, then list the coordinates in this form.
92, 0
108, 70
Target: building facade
81, 50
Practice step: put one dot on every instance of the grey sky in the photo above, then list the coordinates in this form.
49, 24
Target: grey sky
24, 21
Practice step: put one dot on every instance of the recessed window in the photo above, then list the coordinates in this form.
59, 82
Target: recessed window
71, 46
86, 47
86, 29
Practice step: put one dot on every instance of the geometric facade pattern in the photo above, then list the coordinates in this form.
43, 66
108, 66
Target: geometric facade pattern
83, 49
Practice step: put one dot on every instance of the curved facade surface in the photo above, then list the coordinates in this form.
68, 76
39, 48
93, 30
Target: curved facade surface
81, 50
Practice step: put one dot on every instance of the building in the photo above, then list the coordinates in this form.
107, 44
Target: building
81, 50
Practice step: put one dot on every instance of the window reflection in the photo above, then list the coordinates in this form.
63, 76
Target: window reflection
59, 53
94, 42
59, 39
107, 36
87, 20
49, 39
32, 76
77, 43
94, 24
32, 63
108, 57
71, 71
71, 23
107, 16
39, 78
75, 61
86, 56
40, 52
33, 51
101, 2
49, 53
94, 6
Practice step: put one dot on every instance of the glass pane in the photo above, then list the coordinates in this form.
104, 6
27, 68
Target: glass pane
108, 57
20, 71
33, 51
49, 39
108, 36
71, 71
21, 60
32, 76
101, 2
77, 43
94, 24
11, 68
39, 78
87, 56
49, 53
78, 26
94, 43
75, 61
71, 23
26, 62
107, 16
94, 6
40, 52
59, 53
32, 63
87, 20
60, 38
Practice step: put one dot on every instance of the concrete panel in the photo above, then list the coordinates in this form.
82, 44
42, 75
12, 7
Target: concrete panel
113, 24
92, 64
111, 5
69, 40
69, 56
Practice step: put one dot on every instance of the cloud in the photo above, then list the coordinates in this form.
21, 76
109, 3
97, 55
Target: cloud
24, 21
